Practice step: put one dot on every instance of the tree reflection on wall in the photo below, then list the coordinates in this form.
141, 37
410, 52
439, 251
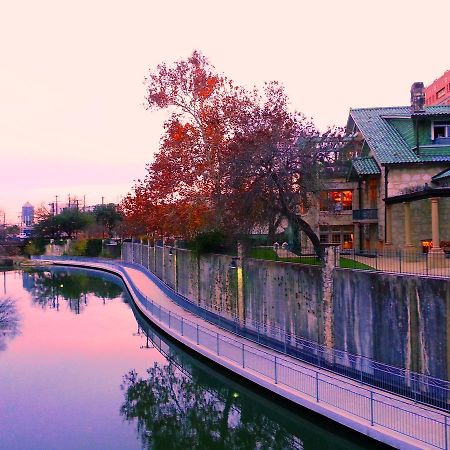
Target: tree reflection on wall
9, 321
48, 287
178, 411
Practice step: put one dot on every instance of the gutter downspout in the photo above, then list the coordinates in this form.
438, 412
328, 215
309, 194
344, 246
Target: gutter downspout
360, 208
386, 173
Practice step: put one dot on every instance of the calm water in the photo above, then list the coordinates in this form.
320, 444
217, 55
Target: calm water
81, 369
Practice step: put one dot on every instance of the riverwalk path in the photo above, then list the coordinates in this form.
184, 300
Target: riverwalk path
380, 415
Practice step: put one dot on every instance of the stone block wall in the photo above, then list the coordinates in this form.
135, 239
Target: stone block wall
403, 178
400, 320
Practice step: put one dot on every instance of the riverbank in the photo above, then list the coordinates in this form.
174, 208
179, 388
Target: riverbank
379, 415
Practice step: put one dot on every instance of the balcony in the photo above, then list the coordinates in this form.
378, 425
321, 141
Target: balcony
365, 215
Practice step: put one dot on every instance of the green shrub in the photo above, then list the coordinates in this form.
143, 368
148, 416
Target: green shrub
210, 242
78, 248
94, 247
33, 248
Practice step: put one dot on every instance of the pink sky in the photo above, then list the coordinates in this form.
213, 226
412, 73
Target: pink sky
71, 93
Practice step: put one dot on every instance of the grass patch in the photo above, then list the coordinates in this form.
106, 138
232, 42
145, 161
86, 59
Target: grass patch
270, 255
263, 253
346, 263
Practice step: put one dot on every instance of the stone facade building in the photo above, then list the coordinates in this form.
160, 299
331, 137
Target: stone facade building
396, 192
402, 177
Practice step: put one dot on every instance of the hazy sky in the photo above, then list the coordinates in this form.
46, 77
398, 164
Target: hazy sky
71, 92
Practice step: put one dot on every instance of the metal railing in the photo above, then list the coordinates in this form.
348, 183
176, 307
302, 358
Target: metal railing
418, 387
378, 409
365, 214
393, 261
397, 261
427, 426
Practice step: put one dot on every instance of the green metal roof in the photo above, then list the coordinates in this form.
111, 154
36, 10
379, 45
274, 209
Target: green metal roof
365, 165
389, 133
442, 175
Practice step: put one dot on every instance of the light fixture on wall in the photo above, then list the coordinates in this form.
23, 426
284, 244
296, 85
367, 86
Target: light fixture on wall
233, 263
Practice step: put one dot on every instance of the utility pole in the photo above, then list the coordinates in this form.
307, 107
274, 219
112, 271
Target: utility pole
56, 205
84, 203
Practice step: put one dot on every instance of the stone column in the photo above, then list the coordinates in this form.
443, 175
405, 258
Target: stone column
326, 333
163, 267
389, 225
174, 262
436, 249
408, 243
154, 255
240, 283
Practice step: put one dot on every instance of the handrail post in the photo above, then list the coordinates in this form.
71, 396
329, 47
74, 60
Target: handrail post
169, 318
217, 343
182, 326
275, 372
317, 387
446, 431
243, 353
371, 408
198, 340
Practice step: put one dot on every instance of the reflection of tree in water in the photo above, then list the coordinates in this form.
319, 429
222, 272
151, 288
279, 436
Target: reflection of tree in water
9, 321
48, 287
175, 411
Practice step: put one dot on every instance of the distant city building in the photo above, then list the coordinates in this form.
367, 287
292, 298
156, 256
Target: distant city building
27, 214
438, 92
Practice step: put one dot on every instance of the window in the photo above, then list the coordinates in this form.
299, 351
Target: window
336, 201
441, 130
440, 93
337, 234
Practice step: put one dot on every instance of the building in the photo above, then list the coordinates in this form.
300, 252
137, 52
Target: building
395, 194
438, 92
27, 214
402, 173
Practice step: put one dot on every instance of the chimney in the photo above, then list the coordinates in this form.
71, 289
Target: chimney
417, 97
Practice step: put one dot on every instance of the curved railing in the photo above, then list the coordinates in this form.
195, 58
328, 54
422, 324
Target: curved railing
419, 387
427, 426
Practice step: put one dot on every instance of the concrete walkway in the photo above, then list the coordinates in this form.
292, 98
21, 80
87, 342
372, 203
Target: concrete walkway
375, 413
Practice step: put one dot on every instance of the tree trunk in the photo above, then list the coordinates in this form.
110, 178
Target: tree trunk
297, 224
274, 221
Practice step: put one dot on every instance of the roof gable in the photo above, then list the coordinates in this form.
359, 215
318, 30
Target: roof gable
389, 132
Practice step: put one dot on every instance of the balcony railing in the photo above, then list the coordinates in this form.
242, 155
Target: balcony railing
365, 214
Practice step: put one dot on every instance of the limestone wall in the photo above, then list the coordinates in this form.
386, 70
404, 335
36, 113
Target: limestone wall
403, 178
396, 319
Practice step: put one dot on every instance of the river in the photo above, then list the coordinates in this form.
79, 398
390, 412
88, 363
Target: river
80, 368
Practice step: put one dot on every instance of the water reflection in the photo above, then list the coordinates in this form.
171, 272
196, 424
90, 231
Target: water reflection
183, 403
9, 321
175, 411
48, 287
